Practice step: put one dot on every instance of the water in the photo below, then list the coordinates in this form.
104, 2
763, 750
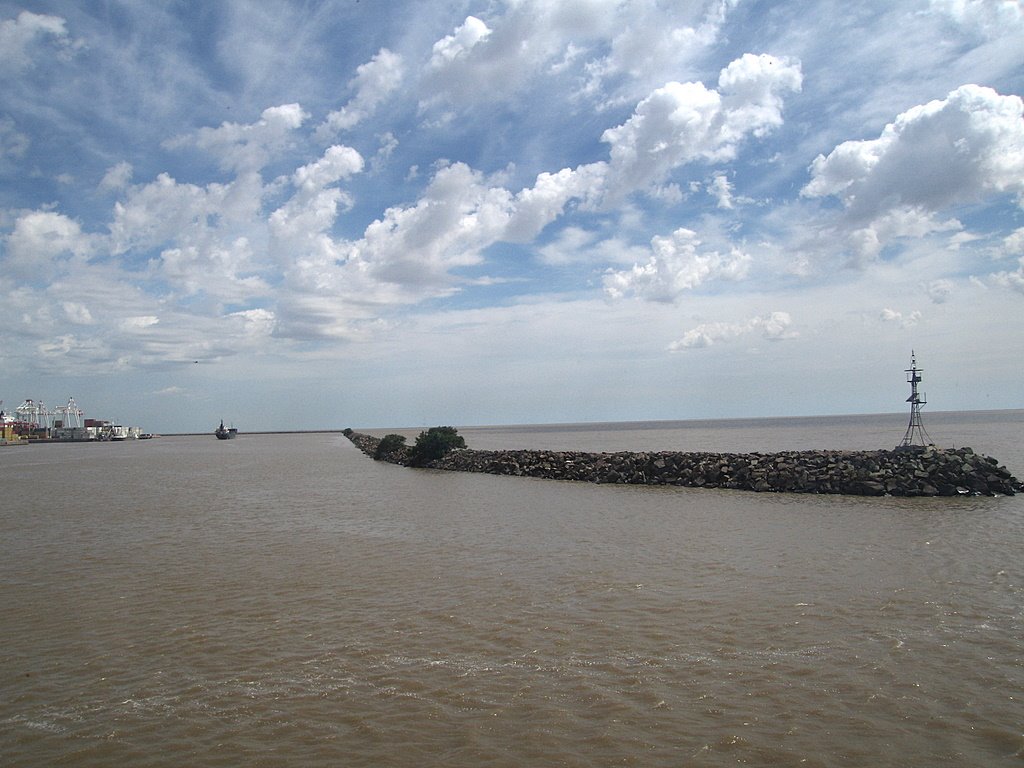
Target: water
282, 600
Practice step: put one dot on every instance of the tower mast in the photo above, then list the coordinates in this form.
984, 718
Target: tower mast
915, 434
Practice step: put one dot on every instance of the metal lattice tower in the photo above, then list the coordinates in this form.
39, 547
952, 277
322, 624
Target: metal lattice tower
916, 434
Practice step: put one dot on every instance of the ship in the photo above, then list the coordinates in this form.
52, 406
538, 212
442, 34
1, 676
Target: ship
225, 433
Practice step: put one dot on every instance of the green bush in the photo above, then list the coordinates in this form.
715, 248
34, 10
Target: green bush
434, 443
388, 445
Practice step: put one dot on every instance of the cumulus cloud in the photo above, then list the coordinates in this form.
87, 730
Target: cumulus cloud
248, 147
966, 148
388, 145
223, 270
888, 315
164, 211
254, 323
537, 206
774, 326
338, 162
40, 241
650, 42
686, 122
464, 39
1013, 245
208, 240
577, 245
117, 177
939, 291
333, 286
459, 215
300, 229
677, 265
605, 46
721, 190
963, 148
77, 313
19, 38
374, 81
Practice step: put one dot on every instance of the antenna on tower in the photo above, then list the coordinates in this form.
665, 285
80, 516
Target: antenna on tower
915, 434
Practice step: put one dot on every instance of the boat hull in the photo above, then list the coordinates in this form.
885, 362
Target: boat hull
225, 433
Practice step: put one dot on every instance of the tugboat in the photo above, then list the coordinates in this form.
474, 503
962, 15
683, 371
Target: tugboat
222, 433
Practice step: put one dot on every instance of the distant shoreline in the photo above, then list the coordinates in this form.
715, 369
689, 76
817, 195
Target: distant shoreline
266, 432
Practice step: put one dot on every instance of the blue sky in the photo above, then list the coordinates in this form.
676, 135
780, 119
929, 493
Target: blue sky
318, 215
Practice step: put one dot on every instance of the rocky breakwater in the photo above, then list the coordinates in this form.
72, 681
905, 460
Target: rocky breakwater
926, 471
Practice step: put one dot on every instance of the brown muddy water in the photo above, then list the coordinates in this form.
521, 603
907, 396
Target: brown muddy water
281, 600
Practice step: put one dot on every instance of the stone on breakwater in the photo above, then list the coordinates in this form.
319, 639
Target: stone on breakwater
905, 472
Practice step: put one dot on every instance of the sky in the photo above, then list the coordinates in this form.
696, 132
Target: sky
317, 215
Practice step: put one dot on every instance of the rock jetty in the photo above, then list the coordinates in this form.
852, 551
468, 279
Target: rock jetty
925, 471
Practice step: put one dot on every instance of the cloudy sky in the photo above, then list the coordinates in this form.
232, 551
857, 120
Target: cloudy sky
343, 213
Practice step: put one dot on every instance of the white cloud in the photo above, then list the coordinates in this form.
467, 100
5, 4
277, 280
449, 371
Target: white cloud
388, 145
464, 39
117, 177
300, 229
374, 81
166, 213
248, 147
991, 17
332, 287
220, 270
721, 190
676, 265
163, 211
594, 46
963, 148
255, 323
170, 391
888, 315
774, 326
752, 88
40, 241
649, 43
1013, 280
60, 346
77, 313
1013, 245
459, 215
939, 291
537, 206
139, 322
685, 122
337, 163
19, 37
13, 142
575, 245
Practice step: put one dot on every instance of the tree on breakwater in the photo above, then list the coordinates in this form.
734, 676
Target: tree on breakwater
434, 443
919, 471
388, 445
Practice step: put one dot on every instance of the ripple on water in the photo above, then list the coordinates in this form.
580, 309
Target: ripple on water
319, 609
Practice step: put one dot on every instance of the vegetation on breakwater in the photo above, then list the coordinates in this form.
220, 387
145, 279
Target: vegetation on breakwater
923, 471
